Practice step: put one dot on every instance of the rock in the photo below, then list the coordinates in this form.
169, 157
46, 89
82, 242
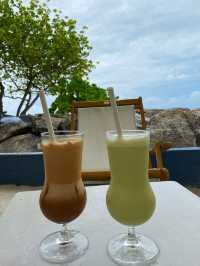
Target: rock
151, 112
12, 126
172, 126
180, 126
39, 124
194, 120
21, 143
23, 134
27, 119
65, 123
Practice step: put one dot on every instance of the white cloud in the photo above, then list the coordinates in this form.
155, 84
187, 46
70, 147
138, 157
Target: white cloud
143, 45
192, 100
11, 106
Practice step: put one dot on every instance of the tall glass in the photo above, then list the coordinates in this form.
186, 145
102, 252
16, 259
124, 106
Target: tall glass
63, 196
130, 199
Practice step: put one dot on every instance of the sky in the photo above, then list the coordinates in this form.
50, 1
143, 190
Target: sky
145, 48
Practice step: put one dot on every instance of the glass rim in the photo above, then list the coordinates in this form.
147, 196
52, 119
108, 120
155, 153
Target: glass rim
66, 133
138, 131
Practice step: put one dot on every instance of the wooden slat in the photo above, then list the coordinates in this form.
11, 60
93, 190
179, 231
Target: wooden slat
158, 149
137, 103
161, 173
96, 176
85, 104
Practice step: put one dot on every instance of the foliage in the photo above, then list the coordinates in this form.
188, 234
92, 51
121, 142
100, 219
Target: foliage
38, 49
77, 89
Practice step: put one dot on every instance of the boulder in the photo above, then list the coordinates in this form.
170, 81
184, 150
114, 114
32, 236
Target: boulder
12, 126
151, 112
172, 126
194, 119
180, 126
20, 143
39, 124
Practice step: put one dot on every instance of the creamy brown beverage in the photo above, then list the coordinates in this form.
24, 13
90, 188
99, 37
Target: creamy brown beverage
63, 196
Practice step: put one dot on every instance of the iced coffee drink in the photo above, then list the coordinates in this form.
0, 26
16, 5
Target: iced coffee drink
63, 196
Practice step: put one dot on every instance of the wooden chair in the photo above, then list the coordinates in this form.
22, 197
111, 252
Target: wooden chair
136, 103
95, 117
157, 151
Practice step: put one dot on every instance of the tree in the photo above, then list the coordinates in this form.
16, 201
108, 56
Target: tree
77, 89
38, 49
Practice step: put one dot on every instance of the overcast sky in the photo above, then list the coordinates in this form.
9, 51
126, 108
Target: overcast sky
145, 48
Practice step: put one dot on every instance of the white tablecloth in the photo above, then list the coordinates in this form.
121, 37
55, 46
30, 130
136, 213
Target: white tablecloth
175, 226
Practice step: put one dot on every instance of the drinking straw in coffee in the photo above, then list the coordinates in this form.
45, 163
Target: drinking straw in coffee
115, 110
46, 114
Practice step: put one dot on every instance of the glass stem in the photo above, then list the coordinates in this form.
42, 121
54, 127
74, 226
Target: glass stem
132, 240
65, 234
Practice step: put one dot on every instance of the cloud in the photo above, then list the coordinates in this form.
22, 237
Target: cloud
147, 48
147, 45
192, 100
11, 106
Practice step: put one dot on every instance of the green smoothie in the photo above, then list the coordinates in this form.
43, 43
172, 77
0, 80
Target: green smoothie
130, 199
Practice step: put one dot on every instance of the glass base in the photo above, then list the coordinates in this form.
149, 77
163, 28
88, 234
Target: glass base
140, 252
55, 250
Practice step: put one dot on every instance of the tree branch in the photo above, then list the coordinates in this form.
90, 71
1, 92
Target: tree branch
13, 97
21, 103
26, 92
27, 102
8, 73
2, 91
27, 107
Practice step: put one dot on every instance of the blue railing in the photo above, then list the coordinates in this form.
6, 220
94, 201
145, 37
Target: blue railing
183, 165
28, 169
22, 168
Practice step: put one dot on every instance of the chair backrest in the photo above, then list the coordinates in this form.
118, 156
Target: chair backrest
136, 103
95, 118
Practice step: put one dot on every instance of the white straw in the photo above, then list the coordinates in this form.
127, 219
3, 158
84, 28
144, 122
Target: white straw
46, 114
115, 110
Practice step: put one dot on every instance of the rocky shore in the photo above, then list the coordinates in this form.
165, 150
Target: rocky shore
22, 134
179, 126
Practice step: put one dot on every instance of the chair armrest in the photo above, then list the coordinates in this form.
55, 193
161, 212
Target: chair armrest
161, 173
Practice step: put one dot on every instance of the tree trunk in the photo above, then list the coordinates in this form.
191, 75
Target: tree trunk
21, 103
29, 105
2, 91
26, 92
28, 99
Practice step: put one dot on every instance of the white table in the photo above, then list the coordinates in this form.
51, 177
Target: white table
175, 226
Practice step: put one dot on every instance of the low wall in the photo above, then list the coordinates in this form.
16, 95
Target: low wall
183, 165
28, 168
22, 168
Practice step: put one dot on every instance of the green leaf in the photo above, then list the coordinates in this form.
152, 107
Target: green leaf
77, 89
40, 48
